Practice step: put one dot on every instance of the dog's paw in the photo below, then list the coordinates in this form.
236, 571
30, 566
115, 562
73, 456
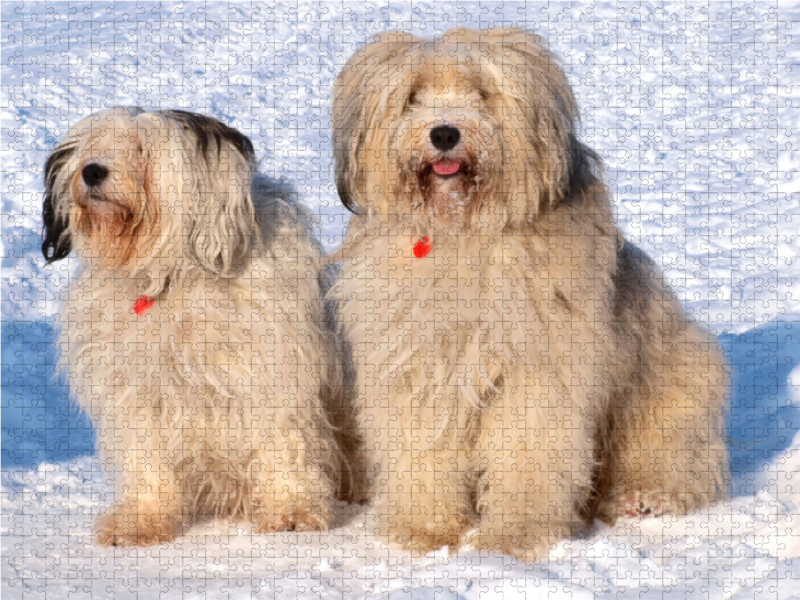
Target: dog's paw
422, 537
645, 504
292, 522
528, 548
130, 528
421, 542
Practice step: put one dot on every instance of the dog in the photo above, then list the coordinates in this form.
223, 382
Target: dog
520, 369
193, 335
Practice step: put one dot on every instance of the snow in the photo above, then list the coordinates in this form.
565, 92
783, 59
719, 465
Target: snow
739, 547
695, 113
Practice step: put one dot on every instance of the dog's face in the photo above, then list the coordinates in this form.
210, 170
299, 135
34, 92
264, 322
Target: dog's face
447, 146
97, 184
128, 187
472, 130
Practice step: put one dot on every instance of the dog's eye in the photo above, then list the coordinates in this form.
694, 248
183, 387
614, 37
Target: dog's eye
483, 94
412, 101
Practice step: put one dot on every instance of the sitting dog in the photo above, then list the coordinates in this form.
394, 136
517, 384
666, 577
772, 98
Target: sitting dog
519, 367
193, 338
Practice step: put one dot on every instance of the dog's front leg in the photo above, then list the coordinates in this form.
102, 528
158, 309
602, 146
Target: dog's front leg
425, 504
420, 458
149, 511
536, 459
292, 489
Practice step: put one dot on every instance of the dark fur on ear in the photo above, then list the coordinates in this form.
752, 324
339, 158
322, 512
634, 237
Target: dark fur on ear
56, 243
343, 186
343, 177
348, 139
222, 227
206, 128
584, 168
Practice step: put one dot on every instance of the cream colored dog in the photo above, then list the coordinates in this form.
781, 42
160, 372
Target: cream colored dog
192, 340
518, 365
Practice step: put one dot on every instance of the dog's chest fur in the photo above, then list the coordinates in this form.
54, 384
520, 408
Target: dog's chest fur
477, 306
202, 345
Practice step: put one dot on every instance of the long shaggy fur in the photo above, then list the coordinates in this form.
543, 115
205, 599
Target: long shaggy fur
211, 402
533, 369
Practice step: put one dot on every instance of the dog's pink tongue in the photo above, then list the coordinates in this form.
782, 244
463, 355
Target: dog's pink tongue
446, 167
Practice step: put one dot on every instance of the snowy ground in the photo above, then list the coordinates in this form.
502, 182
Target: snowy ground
694, 109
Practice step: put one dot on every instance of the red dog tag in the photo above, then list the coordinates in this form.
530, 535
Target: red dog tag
422, 247
142, 304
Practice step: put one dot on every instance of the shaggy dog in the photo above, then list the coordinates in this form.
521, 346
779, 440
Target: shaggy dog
192, 337
518, 365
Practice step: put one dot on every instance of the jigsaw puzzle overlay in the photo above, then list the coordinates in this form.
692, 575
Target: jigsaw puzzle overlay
690, 108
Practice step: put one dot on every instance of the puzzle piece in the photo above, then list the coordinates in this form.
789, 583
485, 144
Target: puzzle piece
482, 303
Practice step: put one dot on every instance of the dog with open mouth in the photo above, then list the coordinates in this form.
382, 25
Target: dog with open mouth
519, 368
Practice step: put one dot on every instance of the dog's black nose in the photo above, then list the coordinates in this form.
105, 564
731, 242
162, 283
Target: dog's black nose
444, 137
94, 174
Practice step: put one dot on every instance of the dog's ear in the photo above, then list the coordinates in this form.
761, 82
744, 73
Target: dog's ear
360, 110
56, 240
213, 134
347, 114
535, 81
585, 168
222, 220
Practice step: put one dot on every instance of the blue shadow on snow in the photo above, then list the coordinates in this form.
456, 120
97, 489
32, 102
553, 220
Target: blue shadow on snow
41, 423
762, 420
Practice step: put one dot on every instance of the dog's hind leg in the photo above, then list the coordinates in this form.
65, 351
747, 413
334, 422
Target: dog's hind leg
666, 450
